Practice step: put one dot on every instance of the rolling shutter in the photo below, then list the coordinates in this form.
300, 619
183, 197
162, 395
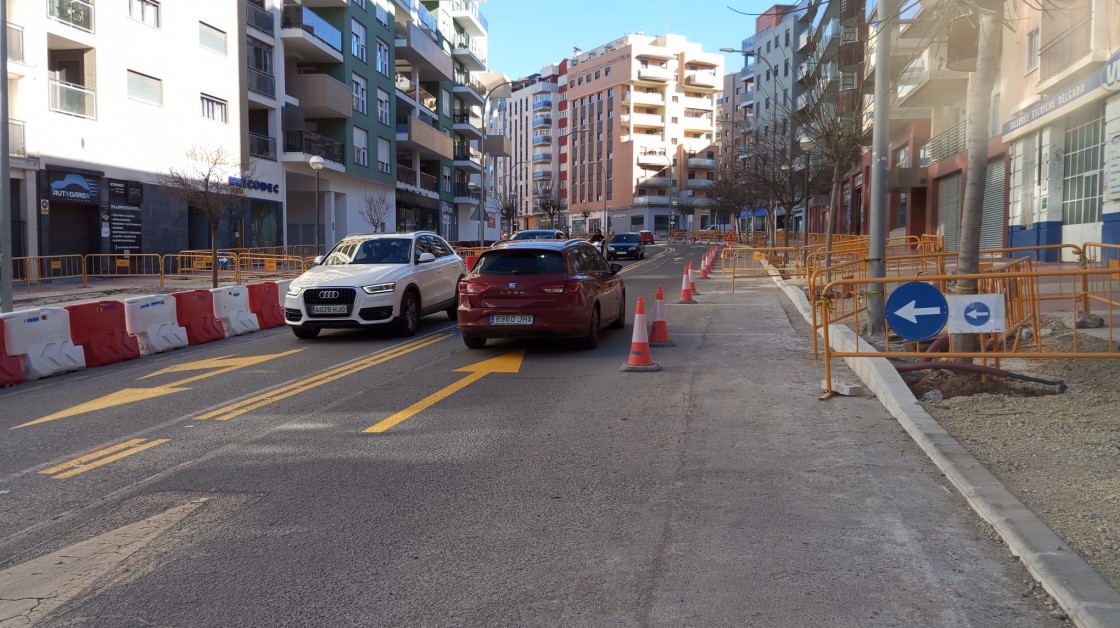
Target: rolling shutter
949, 211
993, 224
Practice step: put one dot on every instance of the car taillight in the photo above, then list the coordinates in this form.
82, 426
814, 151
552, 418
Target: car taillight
470, 287
560, 288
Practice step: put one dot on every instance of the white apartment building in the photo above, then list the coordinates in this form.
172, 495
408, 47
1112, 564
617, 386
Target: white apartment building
532, 116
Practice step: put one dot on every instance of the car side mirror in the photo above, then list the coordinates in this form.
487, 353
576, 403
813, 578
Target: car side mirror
318, 260
615, 268
426, 257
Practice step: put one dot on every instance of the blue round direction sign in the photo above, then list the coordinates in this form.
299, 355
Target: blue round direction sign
977, 314
917, 311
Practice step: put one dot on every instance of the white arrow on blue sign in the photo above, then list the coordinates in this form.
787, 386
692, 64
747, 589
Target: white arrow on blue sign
917, 311
975, 313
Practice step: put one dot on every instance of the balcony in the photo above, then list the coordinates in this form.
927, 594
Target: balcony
321, 96
542, 103
420, 180
300, 145
644, 119
1060, 53
542, 175
76, 13
467, 14
260, 19
542, 139
704, 80
926, 83
655, 182
260, 82
700, 122
747, 97
465, 193
701, 162
943, 145
466, 122
415, 134
467, 86
653, 158
692, 102
542, 121
747, 72
262, 146
419, 49
470, 51
657, 75
17, 138
644, 98
15, 43
701, 184
652, 200
468, 157
72, 99
542, 158
309, 36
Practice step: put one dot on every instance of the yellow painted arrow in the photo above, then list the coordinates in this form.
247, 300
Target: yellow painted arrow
215, 366
508, 363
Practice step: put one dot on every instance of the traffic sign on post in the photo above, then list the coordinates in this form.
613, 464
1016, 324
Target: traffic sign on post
976, 313
917, 311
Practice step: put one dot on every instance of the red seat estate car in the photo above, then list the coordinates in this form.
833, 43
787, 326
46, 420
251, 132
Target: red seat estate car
541, 289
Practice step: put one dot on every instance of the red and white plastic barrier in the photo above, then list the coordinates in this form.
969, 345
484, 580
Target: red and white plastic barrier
231, 308
99, 329
152, 320
265, 301
194, 309
10, 371
40, 338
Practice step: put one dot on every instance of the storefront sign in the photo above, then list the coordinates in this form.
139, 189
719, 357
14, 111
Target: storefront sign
1108, 79
72, 187
126, 192
1112, 167
124, 230
253, 184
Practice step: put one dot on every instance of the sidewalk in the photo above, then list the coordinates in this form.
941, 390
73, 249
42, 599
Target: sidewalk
70, 292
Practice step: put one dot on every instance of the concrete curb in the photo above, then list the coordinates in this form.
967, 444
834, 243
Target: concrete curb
1082, 593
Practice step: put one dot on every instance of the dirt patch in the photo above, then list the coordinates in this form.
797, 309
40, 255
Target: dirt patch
951, 384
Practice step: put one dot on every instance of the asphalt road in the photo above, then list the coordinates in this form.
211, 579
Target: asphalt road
525, 484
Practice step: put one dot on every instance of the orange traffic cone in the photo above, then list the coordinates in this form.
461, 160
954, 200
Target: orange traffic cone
705, 264
659, 337
686, 292
640, 360
691, 279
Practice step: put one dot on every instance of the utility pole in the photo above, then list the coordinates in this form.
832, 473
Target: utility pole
6, 263
880, 144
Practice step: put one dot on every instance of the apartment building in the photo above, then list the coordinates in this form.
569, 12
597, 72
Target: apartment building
531, 118
642, 123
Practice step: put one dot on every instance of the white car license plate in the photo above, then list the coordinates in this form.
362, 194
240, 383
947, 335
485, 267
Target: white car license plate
328, 309
511, 319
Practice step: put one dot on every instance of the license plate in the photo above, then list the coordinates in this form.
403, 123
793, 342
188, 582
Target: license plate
328, 309
511, 319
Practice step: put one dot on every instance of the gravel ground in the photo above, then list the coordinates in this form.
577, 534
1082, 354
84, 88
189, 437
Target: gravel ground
1059, 453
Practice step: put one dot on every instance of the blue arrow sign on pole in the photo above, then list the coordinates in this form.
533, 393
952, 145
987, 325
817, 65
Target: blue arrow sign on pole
977, 314
917, 311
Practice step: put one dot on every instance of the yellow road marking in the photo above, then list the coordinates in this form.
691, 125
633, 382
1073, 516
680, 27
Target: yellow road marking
508, 363
235, 410
101, 457
216, 366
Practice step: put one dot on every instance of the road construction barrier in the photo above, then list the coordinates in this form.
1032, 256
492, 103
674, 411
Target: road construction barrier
134, 265
10, 371
231, 308
196, 265
152, 320
194, 309
265, 302
99, 329
738, 262
258, 265
40, 338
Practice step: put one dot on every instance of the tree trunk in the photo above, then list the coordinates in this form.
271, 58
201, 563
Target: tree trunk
214, 254
980, 85
830, 224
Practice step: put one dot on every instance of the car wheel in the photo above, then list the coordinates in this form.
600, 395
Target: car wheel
453, 311
621, 322
305, 333
591, 340
409, 318
474, 342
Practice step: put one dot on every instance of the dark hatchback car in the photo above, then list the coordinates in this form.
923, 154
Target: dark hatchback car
626, 245
541, 289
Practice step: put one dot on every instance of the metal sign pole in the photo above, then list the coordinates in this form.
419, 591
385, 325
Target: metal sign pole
6, 262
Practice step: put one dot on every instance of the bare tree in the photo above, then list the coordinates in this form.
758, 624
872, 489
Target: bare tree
212, 183
549, 204
508, 208
375, 208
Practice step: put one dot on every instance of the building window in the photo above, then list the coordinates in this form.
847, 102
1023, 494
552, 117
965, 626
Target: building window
1081, 166
361, 4
145, 88
361, 147
607, 71
383, 57
1032, 50
787, 36
383, 106
447, 178
211, 38
146, 11
213, 109
358, 39
359, 93
383, 156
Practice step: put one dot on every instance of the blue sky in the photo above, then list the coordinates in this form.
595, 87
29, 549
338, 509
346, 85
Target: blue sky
528, 34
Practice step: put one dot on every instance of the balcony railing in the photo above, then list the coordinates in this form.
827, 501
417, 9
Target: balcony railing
15, 43
542, 103
542, 158
542, 121
310, 22
17, 138
943, 145
465, 80
73, 99
542, 139
463, 153
261, 83
1060, 52
471, 7
314, 144
466, 117
428, 101
262, 146
464, 190
76, 13
473, 44
259, 18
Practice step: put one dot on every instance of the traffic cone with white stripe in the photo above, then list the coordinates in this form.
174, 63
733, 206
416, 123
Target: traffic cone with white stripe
686, 292
705, 264
692, 279
640, 361
659, 337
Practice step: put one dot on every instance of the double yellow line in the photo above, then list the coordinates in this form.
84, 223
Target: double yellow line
235, 410
81, 464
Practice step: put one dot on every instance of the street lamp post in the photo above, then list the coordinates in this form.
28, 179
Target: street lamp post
485, 162
317, 163
807, 145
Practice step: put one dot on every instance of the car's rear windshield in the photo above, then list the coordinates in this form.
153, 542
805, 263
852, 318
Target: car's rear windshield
535, 235
521, 263
625, 237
